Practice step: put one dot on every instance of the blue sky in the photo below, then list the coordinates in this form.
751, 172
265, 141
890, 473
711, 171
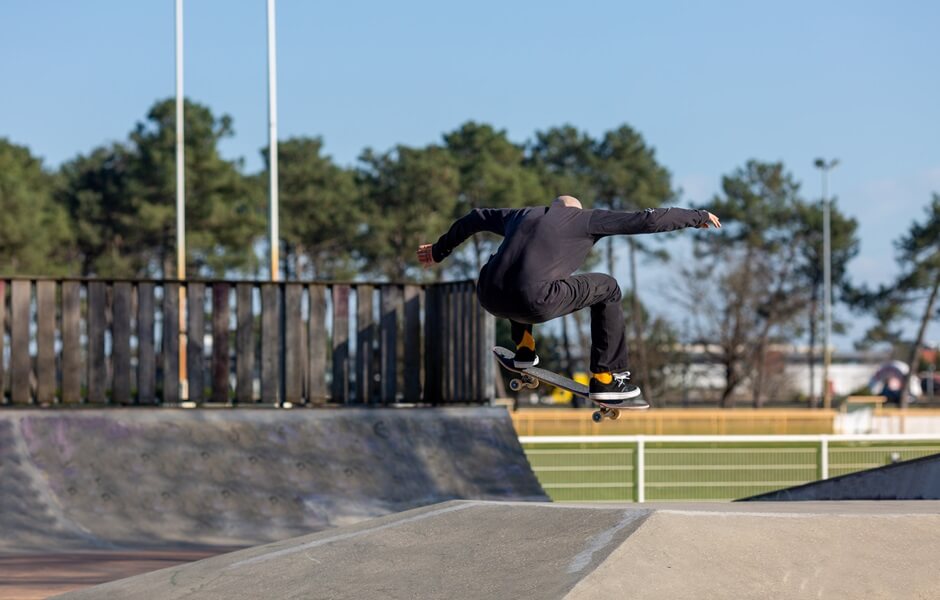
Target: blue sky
709, 84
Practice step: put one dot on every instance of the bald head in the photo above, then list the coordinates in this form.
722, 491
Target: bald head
567, 201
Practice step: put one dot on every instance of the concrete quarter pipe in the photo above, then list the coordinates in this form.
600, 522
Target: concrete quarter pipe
141, 478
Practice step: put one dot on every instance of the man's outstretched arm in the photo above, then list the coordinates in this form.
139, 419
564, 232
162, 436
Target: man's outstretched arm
651, 220
475, 221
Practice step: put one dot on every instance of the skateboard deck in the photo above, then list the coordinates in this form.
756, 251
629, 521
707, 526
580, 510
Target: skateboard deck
530, 377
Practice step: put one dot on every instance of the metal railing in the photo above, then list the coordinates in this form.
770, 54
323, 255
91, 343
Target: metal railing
640, 468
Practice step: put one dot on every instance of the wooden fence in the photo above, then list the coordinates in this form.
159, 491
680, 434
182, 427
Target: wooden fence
72, 341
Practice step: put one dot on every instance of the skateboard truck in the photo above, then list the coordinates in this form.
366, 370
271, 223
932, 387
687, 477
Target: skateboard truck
516, 384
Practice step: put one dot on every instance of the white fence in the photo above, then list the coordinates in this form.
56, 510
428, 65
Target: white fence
642, 468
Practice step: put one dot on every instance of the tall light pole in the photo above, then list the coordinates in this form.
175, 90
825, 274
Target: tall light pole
180, 200
272, 140
824, 168
180, 149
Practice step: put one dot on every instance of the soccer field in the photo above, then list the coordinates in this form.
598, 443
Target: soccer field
722, 469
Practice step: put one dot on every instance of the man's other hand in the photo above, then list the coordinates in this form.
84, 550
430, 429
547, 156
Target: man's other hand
424, 255
711, 222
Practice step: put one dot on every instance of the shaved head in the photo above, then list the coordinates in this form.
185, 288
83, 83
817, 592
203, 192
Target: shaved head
567, 201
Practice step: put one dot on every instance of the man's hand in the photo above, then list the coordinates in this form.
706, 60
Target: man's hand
711, 222
424, 256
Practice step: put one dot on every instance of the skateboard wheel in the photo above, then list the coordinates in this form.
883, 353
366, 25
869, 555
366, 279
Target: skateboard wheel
515, 385
597, 417
614, 414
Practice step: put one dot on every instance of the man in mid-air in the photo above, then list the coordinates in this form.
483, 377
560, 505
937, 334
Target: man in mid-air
529, 280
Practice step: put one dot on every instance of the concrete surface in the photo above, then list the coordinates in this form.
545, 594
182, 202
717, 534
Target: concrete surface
38, 576
469, 549
917, 479
111, 479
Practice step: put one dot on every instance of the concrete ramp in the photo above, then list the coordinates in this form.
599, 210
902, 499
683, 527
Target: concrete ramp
492, 550
917, 479
144, 478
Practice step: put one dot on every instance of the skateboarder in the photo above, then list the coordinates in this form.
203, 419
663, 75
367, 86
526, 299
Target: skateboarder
529, 280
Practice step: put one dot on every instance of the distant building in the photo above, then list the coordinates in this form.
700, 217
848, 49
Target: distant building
787, 371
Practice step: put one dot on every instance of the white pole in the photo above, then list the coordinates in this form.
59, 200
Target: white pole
181, 203
824, 168
827, 291
180, 163
824, 457
272, 139
641, 469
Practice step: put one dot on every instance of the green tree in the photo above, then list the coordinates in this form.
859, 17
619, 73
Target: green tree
752, 296
408, 198
917, 286
122, 200
97, 194
627, 176
844, 244
320, 210
563, 160
491, 174
34, 235
223, 208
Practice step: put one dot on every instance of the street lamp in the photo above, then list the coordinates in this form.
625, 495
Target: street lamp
824, 168
274, 233
180, 205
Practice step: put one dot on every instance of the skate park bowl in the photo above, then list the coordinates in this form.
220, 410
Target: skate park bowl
473, 549
362, 503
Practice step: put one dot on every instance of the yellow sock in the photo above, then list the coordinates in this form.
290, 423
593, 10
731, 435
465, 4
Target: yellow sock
604, 378
527, 341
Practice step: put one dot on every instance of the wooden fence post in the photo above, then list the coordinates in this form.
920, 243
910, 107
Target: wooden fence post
270, 343
412, 336
46, 375
71, 342
341, 343
20, 360
146, 357
244, 344
365, 334
294, 354
171, 343
316, 345
97, 323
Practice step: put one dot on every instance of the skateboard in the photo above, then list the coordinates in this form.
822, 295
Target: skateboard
530, 377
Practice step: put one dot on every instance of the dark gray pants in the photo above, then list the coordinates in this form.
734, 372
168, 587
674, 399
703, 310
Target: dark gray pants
598, 291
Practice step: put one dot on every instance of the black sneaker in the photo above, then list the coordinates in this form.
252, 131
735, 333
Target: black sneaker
525, 358
618, 392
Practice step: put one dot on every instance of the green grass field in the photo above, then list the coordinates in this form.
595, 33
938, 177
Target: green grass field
702, 471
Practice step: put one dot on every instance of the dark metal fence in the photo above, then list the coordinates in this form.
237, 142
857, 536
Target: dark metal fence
73, 341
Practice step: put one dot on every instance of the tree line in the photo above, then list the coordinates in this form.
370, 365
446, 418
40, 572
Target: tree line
756, 283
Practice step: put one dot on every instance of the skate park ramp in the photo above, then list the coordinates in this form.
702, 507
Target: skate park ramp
472, 549
917, 479
113, 479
